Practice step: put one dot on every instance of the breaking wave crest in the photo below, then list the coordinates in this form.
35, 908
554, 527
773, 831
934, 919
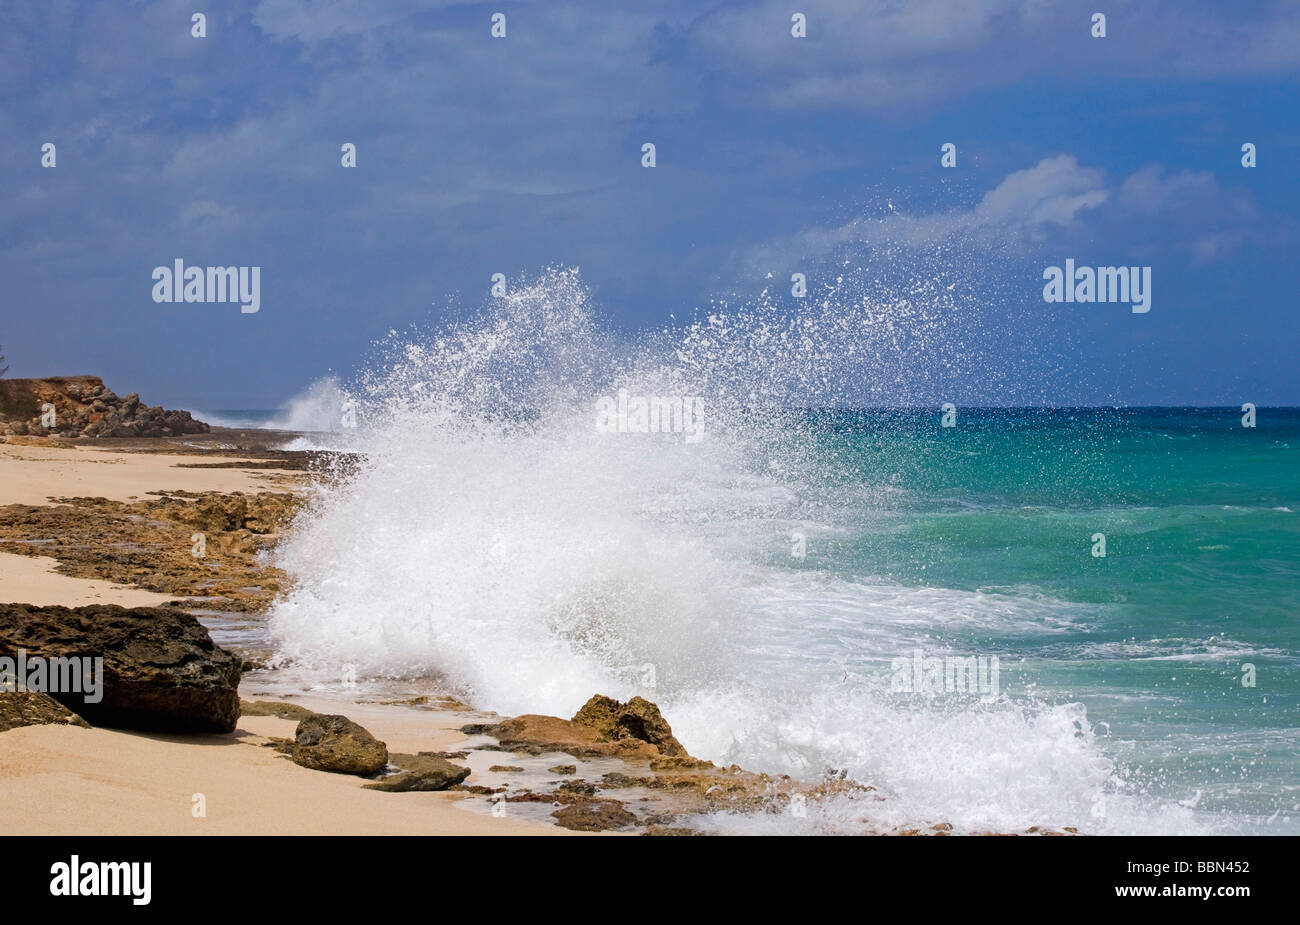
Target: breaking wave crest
496, 538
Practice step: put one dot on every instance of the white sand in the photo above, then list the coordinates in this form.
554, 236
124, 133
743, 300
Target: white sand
34, 474
32, 580
62, 780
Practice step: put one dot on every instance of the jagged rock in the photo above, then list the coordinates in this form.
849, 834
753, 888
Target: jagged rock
420, 773
567, 770
162, 671
29, 708
602, 728
637, 719
594, 816
84, 408
328, 742
537, 734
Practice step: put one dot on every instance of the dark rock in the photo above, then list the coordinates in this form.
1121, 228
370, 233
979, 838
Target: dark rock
567, 770
577, 786
162, 671
328, 742
28, 708
594, 816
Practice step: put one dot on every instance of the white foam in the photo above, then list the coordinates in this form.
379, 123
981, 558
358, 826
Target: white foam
495, 539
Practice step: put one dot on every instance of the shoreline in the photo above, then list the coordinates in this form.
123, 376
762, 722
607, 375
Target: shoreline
527, 774
102, 781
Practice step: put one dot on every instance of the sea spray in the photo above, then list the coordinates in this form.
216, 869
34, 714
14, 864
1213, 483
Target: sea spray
494, 538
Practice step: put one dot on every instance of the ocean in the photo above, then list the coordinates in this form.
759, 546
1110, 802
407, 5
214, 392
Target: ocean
1067, 617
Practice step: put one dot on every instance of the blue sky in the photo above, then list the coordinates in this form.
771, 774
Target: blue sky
479, 155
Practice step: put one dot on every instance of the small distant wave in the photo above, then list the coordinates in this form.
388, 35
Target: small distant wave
318, 409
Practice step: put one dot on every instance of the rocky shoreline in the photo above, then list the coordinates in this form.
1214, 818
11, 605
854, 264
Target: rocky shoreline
613, 766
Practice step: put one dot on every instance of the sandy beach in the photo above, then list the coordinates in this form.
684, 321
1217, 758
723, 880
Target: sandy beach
57, 780
31, 473
65, 780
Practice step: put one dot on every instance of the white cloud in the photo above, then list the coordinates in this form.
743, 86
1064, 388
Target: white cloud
1027, 206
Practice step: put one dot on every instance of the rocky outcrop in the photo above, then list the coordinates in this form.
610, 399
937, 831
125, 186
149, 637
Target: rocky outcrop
329, 742
151, 544
161, 671
84, 407
28, 708
638, 720
420, 773
603, 728
536, 734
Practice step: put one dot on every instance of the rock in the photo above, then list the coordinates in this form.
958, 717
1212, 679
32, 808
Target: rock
578, 786
149, 544
328, 742
594, 816
84, 407
637, 719
162, 671
565, 770
680, 763
506, 769
537, 734
670, 830
274, 708
28, 708
420, 773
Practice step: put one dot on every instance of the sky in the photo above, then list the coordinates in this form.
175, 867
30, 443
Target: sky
478, 155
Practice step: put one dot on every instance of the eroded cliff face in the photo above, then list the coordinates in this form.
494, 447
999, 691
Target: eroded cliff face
82, 406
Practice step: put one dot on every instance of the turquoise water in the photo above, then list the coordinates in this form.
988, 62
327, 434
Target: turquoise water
769, 579
774, 576
1201, 575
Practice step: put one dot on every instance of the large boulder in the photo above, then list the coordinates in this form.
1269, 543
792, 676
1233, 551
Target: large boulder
604, 727
328, 742
638, 720
161, 672
538, 734
28, 708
